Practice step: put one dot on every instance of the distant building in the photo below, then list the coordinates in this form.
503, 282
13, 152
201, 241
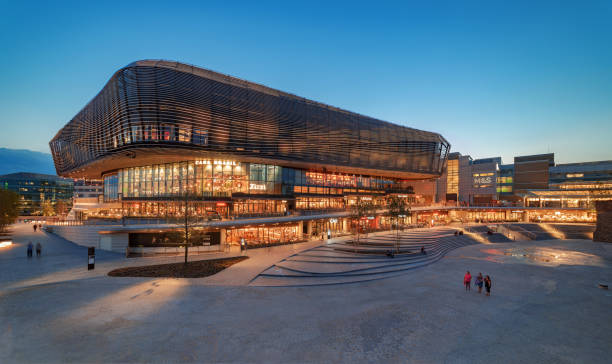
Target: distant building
533, 181
532, 171
34, 189
573, 185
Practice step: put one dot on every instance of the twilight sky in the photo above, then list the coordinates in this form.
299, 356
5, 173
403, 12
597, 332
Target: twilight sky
495, 79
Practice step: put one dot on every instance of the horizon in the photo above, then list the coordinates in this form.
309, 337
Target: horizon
493, 81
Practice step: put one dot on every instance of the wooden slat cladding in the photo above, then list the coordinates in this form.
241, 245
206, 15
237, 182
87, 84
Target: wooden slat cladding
175, 106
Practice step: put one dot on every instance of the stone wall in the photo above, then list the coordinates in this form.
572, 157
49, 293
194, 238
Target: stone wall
603, 231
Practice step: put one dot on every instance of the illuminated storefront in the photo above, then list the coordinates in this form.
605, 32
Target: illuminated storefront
264, 235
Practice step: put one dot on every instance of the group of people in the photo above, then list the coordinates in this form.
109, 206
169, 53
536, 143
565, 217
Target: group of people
31, 247
479, 282
38, 246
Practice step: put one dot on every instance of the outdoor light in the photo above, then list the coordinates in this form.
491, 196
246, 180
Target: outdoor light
4, 244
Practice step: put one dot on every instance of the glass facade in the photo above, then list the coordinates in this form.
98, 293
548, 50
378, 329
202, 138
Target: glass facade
244, 188
217, 178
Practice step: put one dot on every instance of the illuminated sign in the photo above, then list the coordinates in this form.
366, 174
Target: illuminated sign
221, 204
483, 180
216, 162
257, 186
333, 221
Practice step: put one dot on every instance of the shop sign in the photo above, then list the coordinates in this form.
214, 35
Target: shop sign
221, 204
216, 162
483, 180
333, 221
257, 186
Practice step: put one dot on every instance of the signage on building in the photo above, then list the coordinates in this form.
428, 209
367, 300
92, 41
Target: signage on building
257, 186
216, 162
221, 204
483, 180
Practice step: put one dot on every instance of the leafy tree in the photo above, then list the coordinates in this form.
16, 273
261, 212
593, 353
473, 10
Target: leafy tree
398, 208
61, 207
47, 208
362, 208
9, 207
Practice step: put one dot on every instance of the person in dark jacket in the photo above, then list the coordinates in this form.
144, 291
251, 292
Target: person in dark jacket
30, 246
487, 283
38, 249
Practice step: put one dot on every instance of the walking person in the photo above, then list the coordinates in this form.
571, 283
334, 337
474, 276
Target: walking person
35, 226
467, 281
38, 249
487, 283
478, 282
30, 246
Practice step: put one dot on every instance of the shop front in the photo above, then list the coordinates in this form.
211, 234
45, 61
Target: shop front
265, 235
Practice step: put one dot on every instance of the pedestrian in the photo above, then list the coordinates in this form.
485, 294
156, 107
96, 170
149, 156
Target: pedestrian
35, 226
478, 282
487, 283
30, 246
423, 250
38, 249
467, 281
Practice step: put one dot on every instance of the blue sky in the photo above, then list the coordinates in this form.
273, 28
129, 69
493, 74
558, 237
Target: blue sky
495, 79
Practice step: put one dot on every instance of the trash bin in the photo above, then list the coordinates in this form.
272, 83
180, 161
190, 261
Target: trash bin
91, 257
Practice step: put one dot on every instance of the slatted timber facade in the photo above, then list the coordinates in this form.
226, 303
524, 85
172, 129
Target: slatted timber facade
152, 111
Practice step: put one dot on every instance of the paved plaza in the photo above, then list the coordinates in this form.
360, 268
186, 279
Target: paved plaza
545, 307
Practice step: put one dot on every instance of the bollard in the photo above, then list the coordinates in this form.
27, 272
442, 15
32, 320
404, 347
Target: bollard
91, 254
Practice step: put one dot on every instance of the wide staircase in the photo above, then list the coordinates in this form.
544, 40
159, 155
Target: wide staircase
574, 231
487, 233
366, 260
532, 231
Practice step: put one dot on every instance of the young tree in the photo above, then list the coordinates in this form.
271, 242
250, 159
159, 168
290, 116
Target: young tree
398, 208
9, 207
362, 208
47, 208
188, 220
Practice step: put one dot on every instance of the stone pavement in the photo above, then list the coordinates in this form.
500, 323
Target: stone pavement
63, 261
545, 308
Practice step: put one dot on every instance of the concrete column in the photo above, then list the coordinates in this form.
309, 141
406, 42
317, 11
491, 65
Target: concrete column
222, 245
301, 230
309, 229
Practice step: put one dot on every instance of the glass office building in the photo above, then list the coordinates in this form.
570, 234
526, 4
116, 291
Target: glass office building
161, 131
35, 190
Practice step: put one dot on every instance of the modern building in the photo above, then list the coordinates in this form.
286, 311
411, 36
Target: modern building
165, 135
39, 194
574, 185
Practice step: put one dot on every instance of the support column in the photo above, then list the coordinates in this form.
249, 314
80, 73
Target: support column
222, 245
309, 229
301, 230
